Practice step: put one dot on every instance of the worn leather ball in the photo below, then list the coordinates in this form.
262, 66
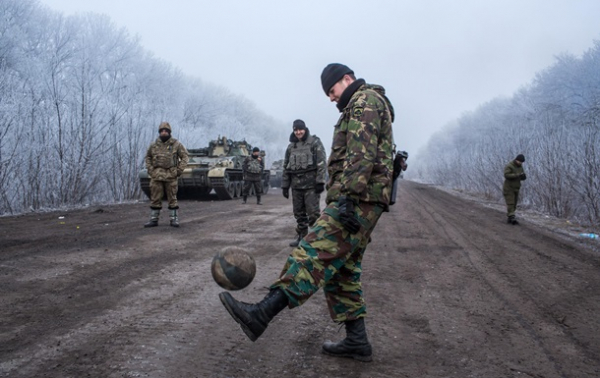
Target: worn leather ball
233, 268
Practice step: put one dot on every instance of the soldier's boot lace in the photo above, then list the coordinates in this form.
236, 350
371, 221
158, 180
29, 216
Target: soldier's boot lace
244, 199
153, 222
254, 318
174, 218
356, 344
258, 202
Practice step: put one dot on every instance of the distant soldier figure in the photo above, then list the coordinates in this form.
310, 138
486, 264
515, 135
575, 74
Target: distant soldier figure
165, 161
304, 171
253, 168
513, 175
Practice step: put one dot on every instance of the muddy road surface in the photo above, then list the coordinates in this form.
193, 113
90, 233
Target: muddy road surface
452, 291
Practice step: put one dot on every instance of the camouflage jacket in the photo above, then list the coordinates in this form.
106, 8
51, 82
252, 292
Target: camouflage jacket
304, 162
253, 168
165, 161
361, 161
512, 176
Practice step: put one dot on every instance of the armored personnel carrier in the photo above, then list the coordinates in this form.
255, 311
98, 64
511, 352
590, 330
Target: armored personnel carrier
276, 174
217, 167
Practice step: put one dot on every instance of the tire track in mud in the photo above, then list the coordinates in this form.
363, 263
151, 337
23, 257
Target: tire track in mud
496, 254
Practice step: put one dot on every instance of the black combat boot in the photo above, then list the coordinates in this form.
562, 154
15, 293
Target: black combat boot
244, 199
512, 220
258, 200
174, 218
355, 345
154, 214
296, 241
254, 318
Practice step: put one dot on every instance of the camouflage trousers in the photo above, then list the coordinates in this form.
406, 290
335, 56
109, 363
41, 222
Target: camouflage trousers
511, 196
306, 208
329, 257
248, 185
158, 189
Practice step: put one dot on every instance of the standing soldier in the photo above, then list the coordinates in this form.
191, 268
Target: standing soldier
165, 161
304, 172
253, 168
358, 192
513, 175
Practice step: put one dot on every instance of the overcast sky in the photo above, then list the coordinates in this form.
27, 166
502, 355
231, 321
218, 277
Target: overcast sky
436, 59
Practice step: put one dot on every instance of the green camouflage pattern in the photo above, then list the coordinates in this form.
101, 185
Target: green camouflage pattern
304, 163
306, 208
511, 187
329, 257
361, 162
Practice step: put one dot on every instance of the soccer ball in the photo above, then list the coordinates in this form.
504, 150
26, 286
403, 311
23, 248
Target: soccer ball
233, 268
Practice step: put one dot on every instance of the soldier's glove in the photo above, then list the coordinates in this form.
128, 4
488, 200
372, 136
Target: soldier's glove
286, 192
319, 188
348, 215
523, 176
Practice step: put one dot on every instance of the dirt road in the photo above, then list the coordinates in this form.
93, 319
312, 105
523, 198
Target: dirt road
452, 291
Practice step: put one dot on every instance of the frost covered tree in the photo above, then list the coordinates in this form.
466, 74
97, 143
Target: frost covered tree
81, 101
554, 121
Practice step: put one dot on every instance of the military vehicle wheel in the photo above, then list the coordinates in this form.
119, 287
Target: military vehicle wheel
224, 188
231, 189
238, 189
265, 188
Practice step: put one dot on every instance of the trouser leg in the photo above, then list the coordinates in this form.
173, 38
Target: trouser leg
322, 252
313, 206
171, 190
510, 196
157, 190
299, 206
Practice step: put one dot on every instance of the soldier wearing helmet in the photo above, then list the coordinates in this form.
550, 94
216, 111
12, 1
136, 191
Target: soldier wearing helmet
166, 159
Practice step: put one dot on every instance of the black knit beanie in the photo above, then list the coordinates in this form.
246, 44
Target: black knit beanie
299, 125
333, 73
255, 149
521, 158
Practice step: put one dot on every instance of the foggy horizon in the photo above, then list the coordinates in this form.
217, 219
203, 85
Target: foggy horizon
436, 60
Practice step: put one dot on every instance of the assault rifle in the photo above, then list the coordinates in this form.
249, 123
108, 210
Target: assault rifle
399, 166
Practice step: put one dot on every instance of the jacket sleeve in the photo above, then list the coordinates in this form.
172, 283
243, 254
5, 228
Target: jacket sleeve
285, 178
245, 165
184, 158
362, 134
321, 159
510, 174
148, 159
